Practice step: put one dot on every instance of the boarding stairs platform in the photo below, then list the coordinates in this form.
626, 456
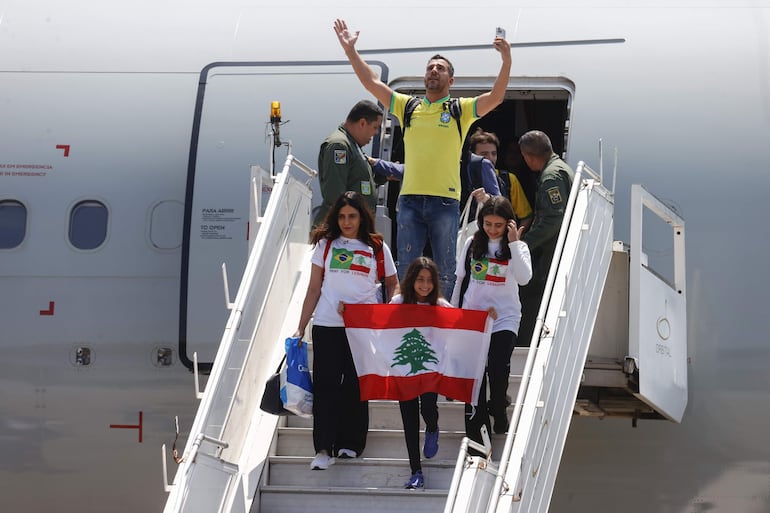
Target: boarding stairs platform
240, 459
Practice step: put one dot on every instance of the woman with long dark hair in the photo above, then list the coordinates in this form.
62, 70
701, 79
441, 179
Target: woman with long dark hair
344, 270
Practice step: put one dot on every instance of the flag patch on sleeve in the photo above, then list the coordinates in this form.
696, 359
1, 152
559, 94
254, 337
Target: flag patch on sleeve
554, 195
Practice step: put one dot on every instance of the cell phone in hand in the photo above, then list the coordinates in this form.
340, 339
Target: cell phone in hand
500, 32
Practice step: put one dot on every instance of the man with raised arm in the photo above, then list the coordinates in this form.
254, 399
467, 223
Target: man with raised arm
428, 205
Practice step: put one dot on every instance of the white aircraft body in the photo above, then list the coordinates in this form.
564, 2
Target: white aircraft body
127, 131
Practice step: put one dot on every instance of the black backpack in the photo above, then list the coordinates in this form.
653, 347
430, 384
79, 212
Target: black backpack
453, 105
504, 182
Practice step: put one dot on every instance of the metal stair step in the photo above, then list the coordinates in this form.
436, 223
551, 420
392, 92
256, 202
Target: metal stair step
380, 443
284, 499
386, 414
380, 473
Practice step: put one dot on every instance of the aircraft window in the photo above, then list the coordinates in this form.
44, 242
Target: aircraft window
13, 223
88, 224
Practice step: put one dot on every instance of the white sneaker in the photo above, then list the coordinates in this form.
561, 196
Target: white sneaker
322, 461
346, 454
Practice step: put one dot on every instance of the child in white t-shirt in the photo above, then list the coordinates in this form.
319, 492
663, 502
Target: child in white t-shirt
420, 286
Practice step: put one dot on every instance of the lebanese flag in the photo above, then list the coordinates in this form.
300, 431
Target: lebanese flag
402, 351
490, 269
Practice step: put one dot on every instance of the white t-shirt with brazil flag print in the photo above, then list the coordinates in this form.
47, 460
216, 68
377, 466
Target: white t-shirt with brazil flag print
495, 282
350, 276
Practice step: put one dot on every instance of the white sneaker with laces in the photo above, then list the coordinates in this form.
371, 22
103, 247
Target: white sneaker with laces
322, 461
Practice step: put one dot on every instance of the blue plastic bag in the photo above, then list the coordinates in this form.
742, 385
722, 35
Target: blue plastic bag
296, 385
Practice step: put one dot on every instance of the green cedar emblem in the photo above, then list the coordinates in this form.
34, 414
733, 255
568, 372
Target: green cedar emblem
415, 351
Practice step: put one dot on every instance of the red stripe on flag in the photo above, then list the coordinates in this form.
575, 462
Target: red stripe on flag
405, 388
377, 317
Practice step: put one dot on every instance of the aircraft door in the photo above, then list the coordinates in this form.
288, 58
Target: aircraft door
658, 314
230, 135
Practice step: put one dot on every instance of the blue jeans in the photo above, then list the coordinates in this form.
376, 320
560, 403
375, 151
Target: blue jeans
429, 218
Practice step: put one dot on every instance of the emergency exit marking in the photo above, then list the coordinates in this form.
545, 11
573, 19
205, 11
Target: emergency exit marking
50, 309
131, 426
65, 147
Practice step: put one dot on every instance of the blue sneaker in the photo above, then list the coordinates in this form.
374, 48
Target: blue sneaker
431, 444
416, 482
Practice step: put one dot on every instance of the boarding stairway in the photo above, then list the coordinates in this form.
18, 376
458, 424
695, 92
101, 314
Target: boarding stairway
240, 459
524, 479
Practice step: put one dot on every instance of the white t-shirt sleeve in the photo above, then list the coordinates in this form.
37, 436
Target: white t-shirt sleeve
318, 254
521, 262
390, 265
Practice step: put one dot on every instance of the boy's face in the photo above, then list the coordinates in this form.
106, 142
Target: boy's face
488, 151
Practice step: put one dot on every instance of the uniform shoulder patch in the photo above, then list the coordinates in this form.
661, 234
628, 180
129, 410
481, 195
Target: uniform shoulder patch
554, 195
340, 156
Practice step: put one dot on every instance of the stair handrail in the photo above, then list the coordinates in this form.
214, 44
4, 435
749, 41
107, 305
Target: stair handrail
543, 421
202, 420
535, 342
525, 379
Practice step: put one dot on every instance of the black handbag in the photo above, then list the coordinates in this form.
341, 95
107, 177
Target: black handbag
271, 397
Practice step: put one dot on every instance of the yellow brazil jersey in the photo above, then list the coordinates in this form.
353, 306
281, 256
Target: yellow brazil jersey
433, 146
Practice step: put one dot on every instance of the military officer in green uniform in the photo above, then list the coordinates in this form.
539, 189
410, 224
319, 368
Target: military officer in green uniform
342, 165
553, 185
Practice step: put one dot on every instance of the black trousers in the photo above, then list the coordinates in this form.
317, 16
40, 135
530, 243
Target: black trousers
497, 371
340, 418
425, 404
530, 296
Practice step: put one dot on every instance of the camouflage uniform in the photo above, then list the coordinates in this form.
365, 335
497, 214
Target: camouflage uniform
553, 186
342, 166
